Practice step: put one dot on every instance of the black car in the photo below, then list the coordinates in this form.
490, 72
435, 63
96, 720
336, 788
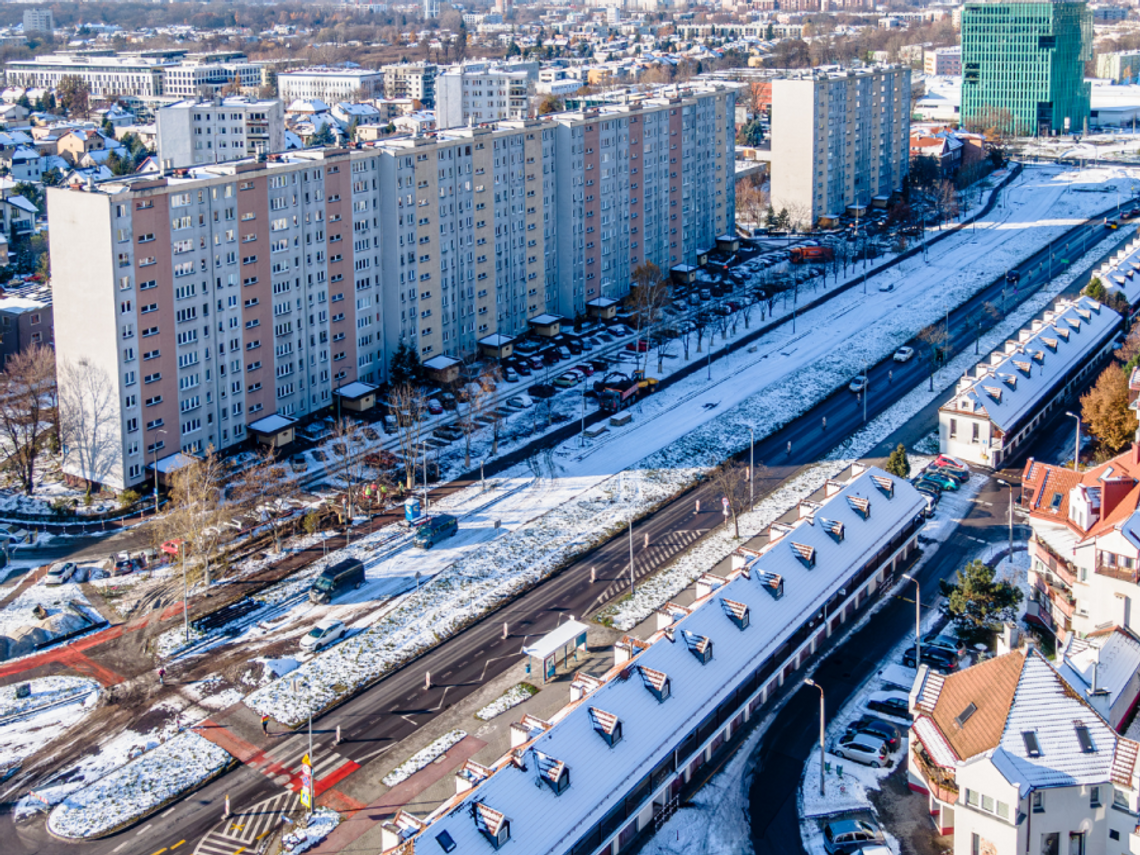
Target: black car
522, 368
938, 658
574, 346
542, 390
928, 487
879, 729
955, 475
891, 703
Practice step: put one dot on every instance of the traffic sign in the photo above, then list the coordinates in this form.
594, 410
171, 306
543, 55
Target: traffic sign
724, 501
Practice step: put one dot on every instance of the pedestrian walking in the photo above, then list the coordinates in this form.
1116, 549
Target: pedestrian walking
789, 448
265, 724
891, 376
162, 676
825, 423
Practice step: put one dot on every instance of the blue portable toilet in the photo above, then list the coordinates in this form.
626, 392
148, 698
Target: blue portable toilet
411, 510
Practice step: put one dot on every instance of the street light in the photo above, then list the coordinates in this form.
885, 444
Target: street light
751, 469
632, 584
811, 682
917, 620
154, 448
1077, 450
1010, 485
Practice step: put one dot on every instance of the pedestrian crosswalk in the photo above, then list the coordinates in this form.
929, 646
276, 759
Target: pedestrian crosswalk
649, 558
282, 762
244, 831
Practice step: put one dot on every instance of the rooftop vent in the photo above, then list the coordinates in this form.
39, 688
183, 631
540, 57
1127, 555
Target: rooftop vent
805, 553
657, 682
1039, 356
964, 715
1063, 333
493, 825
1084, 313
861, 505
886, 485
1074, 323
1050, 343
607, 725
994, 392
737, 612
700, 646
834, 528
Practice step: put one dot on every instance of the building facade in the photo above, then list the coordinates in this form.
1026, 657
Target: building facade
1023, 66
197, 132
1120, 67
329, 84
477, 95
943, 61
196, 79
39, 21
839, 138
415, 80
106, 75
239, 290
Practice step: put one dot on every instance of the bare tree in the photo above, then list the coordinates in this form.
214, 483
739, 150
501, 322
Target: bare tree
488, 381
408, 404
265, 492
934, 342
747, 307
700, 322
27, 410
88, 419
987, 318
348, 460
730, 479
197, 516
648, 296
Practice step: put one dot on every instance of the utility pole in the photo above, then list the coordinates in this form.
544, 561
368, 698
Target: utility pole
1077, 450
917, 620
1010, 485
752, 469
822, 734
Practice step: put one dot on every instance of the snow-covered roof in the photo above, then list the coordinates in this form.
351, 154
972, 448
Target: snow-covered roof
1116, 659
1061, 539
545, 319
23, 204
1011, 385
272, 423
356, 389
439, 363
496, 340
601, 302
171, 463
668, 689
1123, 275
934, 743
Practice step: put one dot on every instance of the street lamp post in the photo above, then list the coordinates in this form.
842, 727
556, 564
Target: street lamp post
1077, 449
185, 593
917, 620
866, 390
154, 449
751, 469
1010, 485
810, 682
632, 584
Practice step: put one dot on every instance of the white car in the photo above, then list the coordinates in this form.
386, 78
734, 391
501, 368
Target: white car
520, 401
862, 748
59, 574
858, 384
326, 632
904, 354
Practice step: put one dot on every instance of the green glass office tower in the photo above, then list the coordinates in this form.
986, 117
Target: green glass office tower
1023, 66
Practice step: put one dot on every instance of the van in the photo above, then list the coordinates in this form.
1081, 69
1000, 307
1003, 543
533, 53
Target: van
437, 528
336, 580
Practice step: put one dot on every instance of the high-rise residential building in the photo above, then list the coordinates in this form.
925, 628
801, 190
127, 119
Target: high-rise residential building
213, 131
431, 9
1023, 66
197, 78
839, 138
329, 84
414, 80
207, 301
39, 21
478, 93
1120, 67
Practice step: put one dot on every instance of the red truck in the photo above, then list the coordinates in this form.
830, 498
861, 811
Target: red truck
805, 254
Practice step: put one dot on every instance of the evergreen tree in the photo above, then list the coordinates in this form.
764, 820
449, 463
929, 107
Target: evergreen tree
977, 600
897, 463
405, 366
322, 137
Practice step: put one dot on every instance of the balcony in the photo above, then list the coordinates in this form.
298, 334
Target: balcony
1059, 598
940, 782
1059, 566
1123, 574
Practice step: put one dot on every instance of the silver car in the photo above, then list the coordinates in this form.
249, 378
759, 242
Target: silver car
862, 748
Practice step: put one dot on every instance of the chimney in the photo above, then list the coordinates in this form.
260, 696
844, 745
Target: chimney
1095, 664
1112, 492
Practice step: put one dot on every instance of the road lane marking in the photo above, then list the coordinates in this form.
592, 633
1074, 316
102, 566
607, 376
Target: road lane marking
160, 851
120, 846
141, 830
176, 845
167, 811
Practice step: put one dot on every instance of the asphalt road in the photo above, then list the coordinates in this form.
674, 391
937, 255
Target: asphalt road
400, 703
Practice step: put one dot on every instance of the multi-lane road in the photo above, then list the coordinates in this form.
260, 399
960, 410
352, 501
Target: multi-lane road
399, 704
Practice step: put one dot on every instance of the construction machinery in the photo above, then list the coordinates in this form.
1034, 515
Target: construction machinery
618, 390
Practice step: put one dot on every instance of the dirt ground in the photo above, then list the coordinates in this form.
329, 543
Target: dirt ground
904, 815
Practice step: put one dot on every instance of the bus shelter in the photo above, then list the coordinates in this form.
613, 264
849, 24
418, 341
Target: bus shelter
562, 642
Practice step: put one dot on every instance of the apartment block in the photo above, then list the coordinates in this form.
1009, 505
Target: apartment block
196, 132
479, 94
1119, 67
839, 139
1023, 66
414, 80
194, 79
39, 21
329, 84
106, 75
943, 61
216, 297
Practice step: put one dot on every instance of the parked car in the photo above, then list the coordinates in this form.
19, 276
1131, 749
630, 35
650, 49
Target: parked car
599, 364
937, 658
588, 370
862, 748
639, 346
955, 474
846, 836
887, 287
326, 632
536, 363
859, 384
564, 352
575, 347
523, 367
510, 375
904, 354
944, 641
541, 390
943, 481
449, 401
59, 573
880, 729
520, 401
435, 407
567, 380
890, 703
954, 465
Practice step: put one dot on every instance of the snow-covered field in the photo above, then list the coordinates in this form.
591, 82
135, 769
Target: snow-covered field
566, 502
54, 705
510, 699
139, 787
423, 758
20, 627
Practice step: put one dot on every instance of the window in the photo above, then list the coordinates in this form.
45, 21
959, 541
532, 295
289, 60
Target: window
1094, 797
1038, 801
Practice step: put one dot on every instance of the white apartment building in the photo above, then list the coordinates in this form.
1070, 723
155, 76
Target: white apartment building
839, 138
994, 412
944, 61
414, 80
213, 131
1012, 759
329, 84
197, 79
106, 75
214, 298
39, 21
478, 94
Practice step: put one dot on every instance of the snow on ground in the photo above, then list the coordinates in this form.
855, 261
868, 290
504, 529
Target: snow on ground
139, 787
423, 758
54, 705
44, 692
320, 824
20, 627
511, 698
567, 501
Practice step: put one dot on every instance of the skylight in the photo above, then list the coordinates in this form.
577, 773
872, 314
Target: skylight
1084, 737
1055, 502
964, 715
1032, 746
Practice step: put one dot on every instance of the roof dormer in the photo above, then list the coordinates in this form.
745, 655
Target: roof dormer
607, 725
834, 528
491, 823
861, 506
805, 553
657, 682
554, 773
886, 485
700, 646
738, 612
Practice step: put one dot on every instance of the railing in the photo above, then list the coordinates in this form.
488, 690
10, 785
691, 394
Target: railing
1054, 562
1058, 597
942, 786
1122, 574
